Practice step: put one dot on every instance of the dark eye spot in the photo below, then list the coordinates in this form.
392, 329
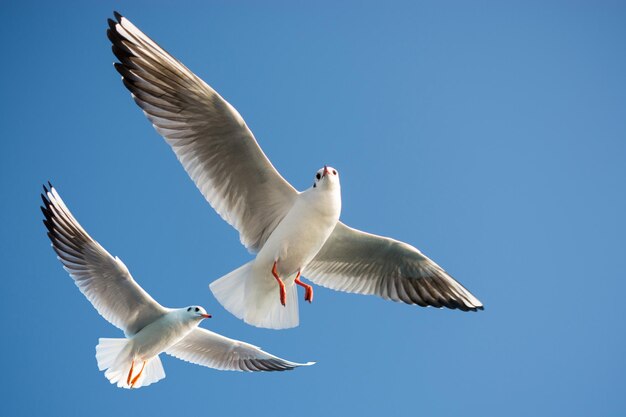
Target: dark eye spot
314, 185
334, 172
318, 175
189, 309
197, 309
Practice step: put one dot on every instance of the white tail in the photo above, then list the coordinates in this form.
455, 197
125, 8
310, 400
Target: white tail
255, 299
114, 356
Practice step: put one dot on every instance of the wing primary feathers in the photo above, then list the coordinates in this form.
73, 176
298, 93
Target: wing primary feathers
210, 349
103, 279
388, 268
207, 134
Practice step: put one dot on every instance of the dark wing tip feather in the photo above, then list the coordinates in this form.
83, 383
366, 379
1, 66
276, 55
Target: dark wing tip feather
429, 291
266, 365
45, 201
120, 50
111, 28
48, 216
112, 33
430, 284
121, 53
45, 209
388, 268
63, 234
121, 69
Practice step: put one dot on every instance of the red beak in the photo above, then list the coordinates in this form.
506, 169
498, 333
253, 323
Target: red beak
206, 316
325, 171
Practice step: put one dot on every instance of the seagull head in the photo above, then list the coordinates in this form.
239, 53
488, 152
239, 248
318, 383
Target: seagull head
197, 312
326, 176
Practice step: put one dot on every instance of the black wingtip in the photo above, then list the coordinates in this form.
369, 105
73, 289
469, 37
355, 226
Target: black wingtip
118, 16
45, 209
111, 24
47, 188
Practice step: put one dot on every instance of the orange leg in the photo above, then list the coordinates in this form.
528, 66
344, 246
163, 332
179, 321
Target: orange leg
281, 284
308, 290
134, 381
130, 374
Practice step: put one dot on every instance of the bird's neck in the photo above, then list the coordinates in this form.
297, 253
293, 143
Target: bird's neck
326, 201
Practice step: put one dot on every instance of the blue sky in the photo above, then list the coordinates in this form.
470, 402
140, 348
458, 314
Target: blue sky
491, 135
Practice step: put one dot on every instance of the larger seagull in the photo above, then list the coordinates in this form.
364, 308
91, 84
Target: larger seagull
292, 233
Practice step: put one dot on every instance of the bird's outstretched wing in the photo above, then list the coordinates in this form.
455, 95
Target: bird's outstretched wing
103, 279
209, 137
363, 263
206, 348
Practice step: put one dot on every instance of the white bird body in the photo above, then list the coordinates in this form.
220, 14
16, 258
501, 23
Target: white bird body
302, 233
292, 245
162, 333
150, 328
290, 232
134, 362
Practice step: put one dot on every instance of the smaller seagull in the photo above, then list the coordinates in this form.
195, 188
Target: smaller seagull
150, 328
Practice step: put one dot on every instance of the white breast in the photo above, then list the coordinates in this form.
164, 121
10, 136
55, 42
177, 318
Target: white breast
303, 231
161, 334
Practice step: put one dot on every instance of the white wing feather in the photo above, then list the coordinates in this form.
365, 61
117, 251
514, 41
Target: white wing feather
206, 348
103, 279
363, 263
209, 137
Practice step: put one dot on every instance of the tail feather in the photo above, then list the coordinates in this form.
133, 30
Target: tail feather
114, 357
154, 372
108, 350
230, 290
254, 298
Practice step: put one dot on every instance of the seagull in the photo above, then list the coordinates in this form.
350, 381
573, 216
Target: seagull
150, 328
292, 233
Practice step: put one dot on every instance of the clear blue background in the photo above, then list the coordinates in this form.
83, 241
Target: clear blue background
491, 135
